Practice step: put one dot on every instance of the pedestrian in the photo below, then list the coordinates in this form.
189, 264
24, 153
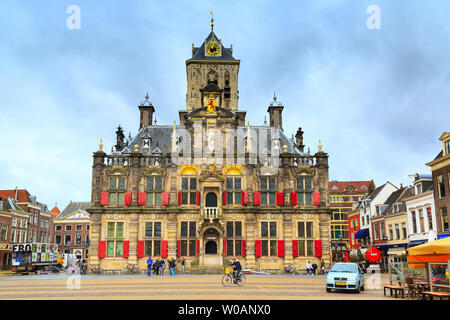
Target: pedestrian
172, 266
182, 264
156, 266
149, 266
314, 268
162, 266
308, 267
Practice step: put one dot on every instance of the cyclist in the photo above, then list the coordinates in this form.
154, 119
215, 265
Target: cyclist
237, 268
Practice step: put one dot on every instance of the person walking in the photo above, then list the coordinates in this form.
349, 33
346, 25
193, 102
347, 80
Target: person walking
182, 264
162, 266
314, 268
149, 266
156, 266
172, 266
308, 267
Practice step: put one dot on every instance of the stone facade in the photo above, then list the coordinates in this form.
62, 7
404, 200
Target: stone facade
150, 199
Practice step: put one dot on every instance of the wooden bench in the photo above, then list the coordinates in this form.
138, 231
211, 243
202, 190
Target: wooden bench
432, 294
111, 270
271, 270
395, 289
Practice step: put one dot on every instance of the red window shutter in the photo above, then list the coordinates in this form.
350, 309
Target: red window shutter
140, 248
244, 197
142, 197
280, 198
258, 248
225, 246
179, 197
294, 198
256, 198
126, 248
243, 248
102, 249
127, 198
104, 198
179, 248
295, 248
224, 198
198, 198
318, 248
316, 198
163, 248
165, 199
281, 248
197, 244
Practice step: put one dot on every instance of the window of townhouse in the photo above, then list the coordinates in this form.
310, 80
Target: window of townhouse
267, 188
382, 233
58, 239
444, 218
188, 237
233, 189
152, 238
78, 238
234, 238
68, 228
24, 237
397, 231
441, 186
58, 228
304, 189
269, 235
114, 236
403, 230
78, 227
189, 190
67, 239
305, 237
154, 190
117, 191
414, 222
338, 215
391, 232
4, 233
34, 235
337, 231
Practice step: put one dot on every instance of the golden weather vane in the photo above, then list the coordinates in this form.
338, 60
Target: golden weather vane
212, 20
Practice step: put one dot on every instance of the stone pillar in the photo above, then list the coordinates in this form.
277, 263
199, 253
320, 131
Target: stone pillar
287, 237
97, 174
133, 231
94, 236
250, 237
172, 235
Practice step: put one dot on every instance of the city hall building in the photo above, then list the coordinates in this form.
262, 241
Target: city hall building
212, 187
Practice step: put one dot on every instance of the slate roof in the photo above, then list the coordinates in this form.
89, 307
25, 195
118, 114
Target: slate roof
161, 136
10, 204
199, 52
72, 207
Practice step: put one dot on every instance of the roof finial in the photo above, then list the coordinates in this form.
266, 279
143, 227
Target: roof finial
100, 145
212, 21
320, 145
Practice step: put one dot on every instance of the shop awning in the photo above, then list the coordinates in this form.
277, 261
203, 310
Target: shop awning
361, 234
438, 247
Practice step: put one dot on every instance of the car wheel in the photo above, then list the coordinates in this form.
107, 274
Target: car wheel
328, 290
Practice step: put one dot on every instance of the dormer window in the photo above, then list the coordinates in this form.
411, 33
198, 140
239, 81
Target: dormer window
418, 188
447, 147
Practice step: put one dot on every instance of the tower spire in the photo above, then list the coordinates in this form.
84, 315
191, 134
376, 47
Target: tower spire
212, 21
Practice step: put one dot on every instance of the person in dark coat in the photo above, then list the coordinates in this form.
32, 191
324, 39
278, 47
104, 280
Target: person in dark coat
314, 268
172, 266
149, 266
162, 266
156, 266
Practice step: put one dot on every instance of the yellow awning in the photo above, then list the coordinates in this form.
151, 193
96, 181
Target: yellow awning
438, 247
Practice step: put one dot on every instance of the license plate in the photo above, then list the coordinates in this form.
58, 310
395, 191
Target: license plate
341, 283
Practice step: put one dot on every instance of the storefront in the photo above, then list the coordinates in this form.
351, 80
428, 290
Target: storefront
5, 256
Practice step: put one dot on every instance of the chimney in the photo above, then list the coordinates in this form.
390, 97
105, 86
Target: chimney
275, 109
146, 108
16, 194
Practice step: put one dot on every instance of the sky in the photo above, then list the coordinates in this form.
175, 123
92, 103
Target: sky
377, 98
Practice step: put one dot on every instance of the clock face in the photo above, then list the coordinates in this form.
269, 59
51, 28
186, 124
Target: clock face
213, 49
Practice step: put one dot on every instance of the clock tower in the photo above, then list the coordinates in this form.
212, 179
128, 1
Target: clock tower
212, 64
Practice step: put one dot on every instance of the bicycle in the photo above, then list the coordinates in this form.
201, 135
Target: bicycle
131, 269
229, 276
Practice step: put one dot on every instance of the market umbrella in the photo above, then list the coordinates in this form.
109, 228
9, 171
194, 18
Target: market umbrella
434, 251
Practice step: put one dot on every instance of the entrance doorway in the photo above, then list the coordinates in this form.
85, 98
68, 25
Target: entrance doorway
211, 247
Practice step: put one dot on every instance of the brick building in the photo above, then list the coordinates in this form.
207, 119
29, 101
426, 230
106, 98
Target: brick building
30, 221
342, 196
71, 229
440, 170
149, 198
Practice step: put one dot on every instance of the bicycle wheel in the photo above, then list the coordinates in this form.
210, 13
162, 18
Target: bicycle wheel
227, 280
241, 280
